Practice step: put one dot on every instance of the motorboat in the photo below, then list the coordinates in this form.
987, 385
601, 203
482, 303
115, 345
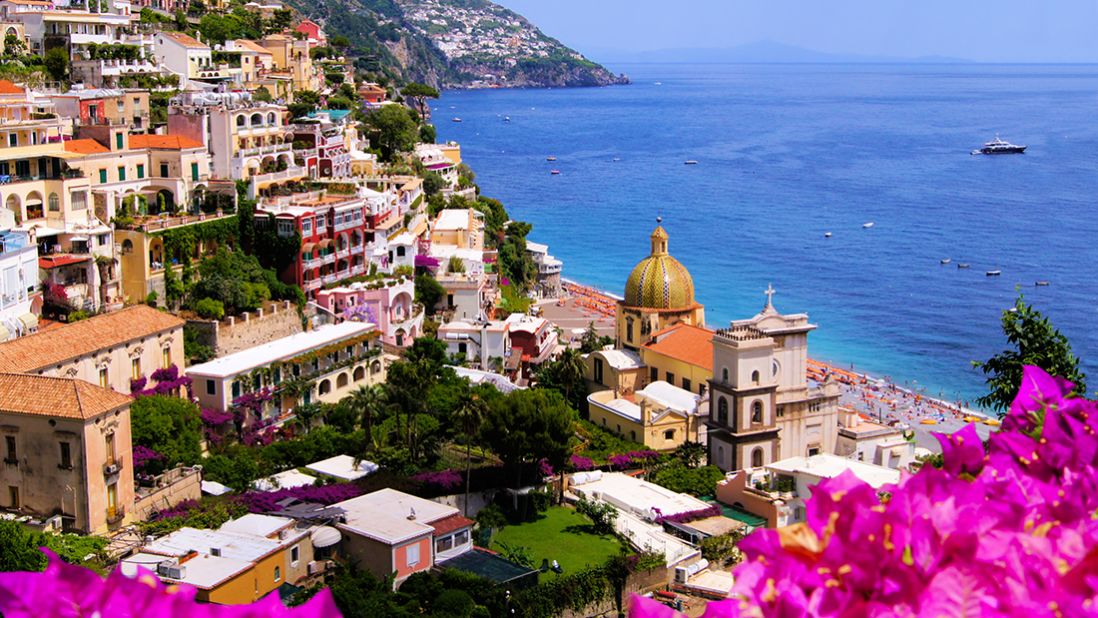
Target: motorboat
827, 234
551, 158
691, 162
555, 172
866, 226
455, 119
962, 265
946, 260
999, 146
994, 273
1043, 283
507, 119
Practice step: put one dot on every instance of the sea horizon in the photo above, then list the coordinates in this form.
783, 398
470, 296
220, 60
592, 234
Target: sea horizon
789, 151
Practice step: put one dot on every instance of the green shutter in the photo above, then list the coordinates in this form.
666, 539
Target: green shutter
194, 171
102, 177
140, 170
118, 141
121, 173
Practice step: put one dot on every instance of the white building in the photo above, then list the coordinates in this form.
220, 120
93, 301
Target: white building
18, 279
485, 344
872, 442
356, 362
188, 58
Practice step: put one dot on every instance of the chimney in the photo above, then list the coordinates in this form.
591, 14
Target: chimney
411, 514
644, 412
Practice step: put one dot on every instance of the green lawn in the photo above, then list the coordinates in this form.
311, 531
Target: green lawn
563, 535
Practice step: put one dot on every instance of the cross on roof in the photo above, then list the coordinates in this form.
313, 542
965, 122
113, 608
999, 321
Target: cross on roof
769, 296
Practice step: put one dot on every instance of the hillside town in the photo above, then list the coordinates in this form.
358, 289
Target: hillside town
260, 334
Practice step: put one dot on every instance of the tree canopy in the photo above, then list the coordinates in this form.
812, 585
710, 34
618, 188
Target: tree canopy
1035, 342
393, 130
529, 425
168, 425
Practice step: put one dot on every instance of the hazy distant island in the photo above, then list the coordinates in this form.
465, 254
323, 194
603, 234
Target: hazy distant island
455, 44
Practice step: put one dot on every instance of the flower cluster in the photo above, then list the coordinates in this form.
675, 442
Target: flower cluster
445, 479
1002, 529
682, 518
580, 463
544, 467
267, 501
67, 590
143, 456
359, 313
168, 382
632, 459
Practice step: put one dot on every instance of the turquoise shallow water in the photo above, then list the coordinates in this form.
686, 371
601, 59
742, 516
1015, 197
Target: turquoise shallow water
788, 152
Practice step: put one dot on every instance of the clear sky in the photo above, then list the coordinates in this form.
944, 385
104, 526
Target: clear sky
982, 30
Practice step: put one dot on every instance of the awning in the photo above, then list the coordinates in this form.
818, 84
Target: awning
79, 239
325, 536
308, 247
56, 261
29, 320
214, 488
324, 244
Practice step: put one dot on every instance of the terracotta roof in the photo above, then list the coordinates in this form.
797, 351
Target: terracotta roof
690, 344
9, 87
252, 46
85, 146
31, 2
57, 397
54, 261
185, 40
167, 142
446, 525
59, 345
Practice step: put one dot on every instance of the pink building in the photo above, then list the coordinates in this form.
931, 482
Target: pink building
312, 31
388, 304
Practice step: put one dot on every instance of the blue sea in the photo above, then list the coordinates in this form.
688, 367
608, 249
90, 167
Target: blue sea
788, 152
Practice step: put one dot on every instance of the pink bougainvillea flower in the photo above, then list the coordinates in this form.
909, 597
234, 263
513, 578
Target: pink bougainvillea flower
68, 591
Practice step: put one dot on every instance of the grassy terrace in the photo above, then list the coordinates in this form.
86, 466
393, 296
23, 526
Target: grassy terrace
563, 535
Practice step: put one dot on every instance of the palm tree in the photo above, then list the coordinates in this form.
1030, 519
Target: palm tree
368, 400
469, 416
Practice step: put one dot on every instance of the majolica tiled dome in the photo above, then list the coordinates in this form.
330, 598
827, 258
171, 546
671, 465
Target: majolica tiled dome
659, 281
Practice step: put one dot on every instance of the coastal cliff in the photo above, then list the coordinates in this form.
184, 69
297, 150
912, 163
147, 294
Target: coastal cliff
454, 44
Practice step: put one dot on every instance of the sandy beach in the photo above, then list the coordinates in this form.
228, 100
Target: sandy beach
876, 399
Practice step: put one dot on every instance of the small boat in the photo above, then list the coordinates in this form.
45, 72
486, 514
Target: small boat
1042, 283
946, 261
868, 225
827, 234
555, 172
551, 158
691, 162
962, 265
998, 146
455, 119
507, 119
659, 83
994, 273
616, 159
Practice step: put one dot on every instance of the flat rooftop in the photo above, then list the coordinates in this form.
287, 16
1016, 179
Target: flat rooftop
385, 515
279, 349
827, 466
202, 571
671, 396
344, 467
246, 547
640, 497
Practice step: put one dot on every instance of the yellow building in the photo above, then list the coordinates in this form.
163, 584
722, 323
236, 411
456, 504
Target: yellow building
681, 355
659, 293
616, 370
660, 416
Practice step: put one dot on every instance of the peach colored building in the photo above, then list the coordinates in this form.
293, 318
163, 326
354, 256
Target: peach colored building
67, 453
108, 350
388, 304
389, 532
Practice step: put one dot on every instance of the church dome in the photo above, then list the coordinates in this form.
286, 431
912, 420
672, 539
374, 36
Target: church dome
659, 281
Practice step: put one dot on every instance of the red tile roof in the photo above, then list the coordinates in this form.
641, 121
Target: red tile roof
164, 142
57, 397
449, 524
85, 146
59, 345
55, 261
690, 344
8, 87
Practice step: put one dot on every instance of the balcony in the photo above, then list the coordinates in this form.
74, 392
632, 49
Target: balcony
311, 264
272, 149
115, 514
313, 284
291, 173
311, 153
113, 467
357, 249
330, 279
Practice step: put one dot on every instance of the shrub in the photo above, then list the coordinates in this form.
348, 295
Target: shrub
210, 309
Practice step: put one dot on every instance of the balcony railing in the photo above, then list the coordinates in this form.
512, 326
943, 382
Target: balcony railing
264, 150
286, 174
115, 514
113, 467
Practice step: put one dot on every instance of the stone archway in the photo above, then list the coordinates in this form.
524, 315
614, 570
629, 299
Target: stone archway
16, 206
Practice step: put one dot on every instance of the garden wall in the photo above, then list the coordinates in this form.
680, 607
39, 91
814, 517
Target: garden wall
639, 583
236, 333
169, 489
477, 501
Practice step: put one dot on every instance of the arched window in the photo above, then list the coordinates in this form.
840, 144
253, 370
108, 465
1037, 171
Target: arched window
257, 119
360, 372
629, 329
757, 457
722, 411
55, 203
775, 367
270, 118
755, 377
375, 367
757, 412
342, 380
724, 375
240, 120
127, 246
325, 387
